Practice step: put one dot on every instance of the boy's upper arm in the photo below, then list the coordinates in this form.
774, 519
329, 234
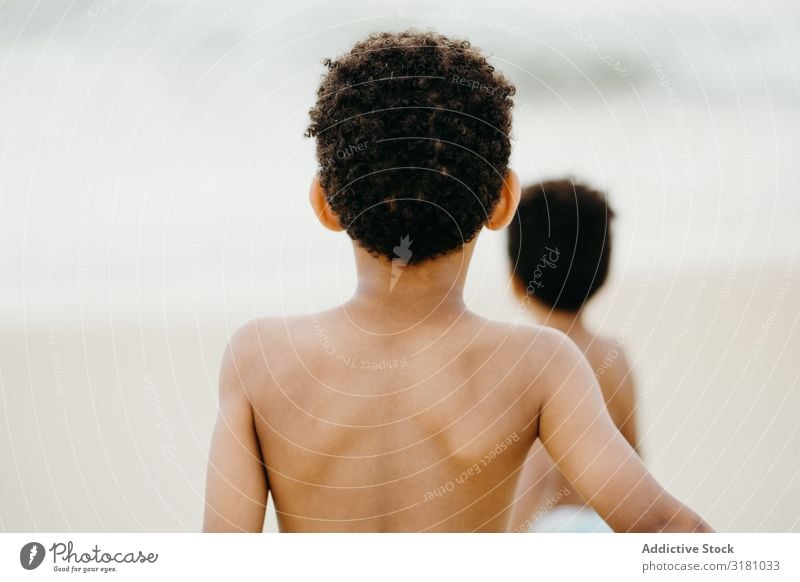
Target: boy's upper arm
236, 486
590, 452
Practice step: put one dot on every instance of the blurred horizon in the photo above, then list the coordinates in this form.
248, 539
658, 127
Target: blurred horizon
158, 148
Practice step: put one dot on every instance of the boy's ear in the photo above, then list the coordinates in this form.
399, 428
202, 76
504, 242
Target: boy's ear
319, 202
507, 204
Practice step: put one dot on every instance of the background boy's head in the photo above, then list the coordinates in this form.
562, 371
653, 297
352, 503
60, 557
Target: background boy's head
560, 243
412, 133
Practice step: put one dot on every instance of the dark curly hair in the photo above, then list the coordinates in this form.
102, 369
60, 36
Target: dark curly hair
412, 132
559, 243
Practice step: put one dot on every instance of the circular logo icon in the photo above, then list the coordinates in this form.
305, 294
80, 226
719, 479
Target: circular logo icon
31, 555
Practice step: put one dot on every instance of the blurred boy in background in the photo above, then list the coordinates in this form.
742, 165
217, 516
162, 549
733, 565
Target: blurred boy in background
560, 249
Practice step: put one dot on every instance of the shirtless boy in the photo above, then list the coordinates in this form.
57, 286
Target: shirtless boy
401, 410
559, 248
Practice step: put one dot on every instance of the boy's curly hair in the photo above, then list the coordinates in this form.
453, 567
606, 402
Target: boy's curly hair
412, 133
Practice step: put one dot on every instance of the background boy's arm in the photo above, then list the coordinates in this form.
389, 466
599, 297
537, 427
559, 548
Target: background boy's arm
537, 487
579, 435
621, 398
236, 485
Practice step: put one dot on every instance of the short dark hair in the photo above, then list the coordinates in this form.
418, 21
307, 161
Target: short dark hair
559, 243
412, 132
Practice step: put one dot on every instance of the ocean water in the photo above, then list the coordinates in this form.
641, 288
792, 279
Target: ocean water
154, 151
153, 179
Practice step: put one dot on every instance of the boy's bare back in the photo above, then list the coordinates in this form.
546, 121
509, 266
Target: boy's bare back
416, 430
310, 412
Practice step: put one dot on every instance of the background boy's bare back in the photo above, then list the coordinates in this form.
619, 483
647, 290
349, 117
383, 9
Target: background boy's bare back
560, 254
607, 358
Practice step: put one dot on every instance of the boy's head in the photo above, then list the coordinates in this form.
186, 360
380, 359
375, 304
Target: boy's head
412, 133
560, 243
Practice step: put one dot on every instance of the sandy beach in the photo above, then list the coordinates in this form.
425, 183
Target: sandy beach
108, 425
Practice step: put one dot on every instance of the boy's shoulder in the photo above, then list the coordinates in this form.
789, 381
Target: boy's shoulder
538, 354
530, 337
530, 355
536, 340
270, 333
266, 340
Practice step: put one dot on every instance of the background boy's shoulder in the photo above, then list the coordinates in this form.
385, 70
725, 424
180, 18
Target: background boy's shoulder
608, 359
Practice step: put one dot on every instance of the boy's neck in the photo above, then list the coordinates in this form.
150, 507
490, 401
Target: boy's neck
568, 322
412, 293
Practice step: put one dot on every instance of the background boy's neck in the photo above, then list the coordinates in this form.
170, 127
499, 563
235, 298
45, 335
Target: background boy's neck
568, 322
